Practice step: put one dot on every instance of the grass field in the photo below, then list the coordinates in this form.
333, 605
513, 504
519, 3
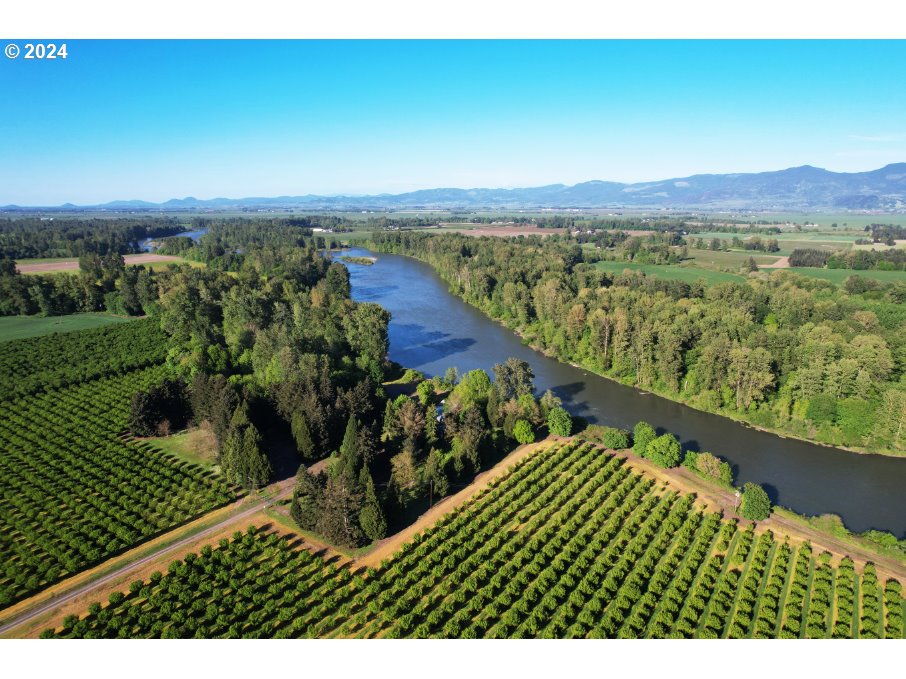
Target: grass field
572, 543
20, 327
162, 266
789, 241
734, 259
839, 275
803, 236
846, 221
351, 237
689, 274
197, 446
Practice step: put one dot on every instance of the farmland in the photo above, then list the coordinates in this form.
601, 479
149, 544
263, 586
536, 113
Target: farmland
571, 543
687, 274
38, 364
74, 491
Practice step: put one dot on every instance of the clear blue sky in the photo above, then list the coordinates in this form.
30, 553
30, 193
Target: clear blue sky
161, 119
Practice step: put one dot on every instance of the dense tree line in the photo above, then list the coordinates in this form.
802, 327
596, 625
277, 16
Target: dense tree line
662, 247
886, 233
104, 283
882, 260
414, 454
756, 243
809, 257
764, 350
282, 339
860, 260
31, 237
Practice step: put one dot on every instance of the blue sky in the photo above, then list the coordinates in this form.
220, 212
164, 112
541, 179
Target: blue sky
160, 119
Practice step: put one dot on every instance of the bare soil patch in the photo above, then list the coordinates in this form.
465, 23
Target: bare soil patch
781, 263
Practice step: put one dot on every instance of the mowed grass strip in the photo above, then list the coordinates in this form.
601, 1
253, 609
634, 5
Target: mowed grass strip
839, 276
22, 327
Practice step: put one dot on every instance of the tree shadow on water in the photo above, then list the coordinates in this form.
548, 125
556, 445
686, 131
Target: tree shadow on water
772, 492
436, 351
581, 409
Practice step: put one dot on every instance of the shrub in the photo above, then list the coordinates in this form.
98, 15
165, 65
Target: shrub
610, 437
425, 392
523, 433
822, 408
412, 375
664, 451
642, 435
559, 422
709, 465
756, 505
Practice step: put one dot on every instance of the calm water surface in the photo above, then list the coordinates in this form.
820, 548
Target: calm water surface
195, 234
432, 329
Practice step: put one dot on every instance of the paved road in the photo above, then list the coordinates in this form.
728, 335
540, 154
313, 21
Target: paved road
55, 602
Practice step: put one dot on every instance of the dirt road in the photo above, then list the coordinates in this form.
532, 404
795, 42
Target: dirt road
780, 263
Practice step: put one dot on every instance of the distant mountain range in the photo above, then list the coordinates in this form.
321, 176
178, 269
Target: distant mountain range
796, 188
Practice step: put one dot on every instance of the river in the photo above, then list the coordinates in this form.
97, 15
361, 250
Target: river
432, 329
194, 234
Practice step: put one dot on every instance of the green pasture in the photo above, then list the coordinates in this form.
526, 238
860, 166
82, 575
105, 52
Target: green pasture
20, 327
688, 274
838, 276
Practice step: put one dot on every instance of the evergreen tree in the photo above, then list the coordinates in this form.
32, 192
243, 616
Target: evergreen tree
306, 499
371, 518
349, 447
243, 461
256, 467
302, 436
434, 474
230, 456
338, 512
430, 425
390, 425
493, 408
